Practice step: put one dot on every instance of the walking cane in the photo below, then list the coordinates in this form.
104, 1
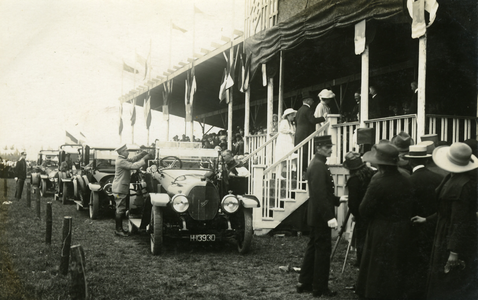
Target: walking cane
348, 247
341, 232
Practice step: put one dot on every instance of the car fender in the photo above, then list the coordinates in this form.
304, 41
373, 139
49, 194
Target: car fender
159, 199
94, 187
44, 176
249, 201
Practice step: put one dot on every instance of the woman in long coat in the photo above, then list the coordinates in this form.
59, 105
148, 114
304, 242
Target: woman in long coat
388, 206
285, 140
453, 272
359, 179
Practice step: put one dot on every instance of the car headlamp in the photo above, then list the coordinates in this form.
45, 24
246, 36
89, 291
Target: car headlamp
230, 204
180, 203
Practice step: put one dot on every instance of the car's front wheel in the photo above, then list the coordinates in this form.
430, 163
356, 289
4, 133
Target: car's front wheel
156, 225
244, 234
64, 197
43, 185
94, 206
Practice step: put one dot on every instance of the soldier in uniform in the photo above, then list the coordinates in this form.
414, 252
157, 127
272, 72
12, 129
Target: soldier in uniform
120, 188
314, 274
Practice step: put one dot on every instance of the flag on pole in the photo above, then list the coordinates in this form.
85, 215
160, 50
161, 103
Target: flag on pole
167, 90
179, 28
222, 89
359, 39
120, 129
147, 111
129, 69
133, 112
418, 24
264, 75
69, 138
190, 86
143, 62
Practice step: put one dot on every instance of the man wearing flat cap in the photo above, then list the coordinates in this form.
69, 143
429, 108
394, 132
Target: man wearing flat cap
314, 274
120, 188
305, 126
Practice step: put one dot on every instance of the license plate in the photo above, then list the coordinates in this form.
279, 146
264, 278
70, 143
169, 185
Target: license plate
202, 237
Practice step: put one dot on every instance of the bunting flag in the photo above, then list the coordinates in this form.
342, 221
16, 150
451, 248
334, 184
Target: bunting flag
417, 9
120, 129
133, 113
359, 39
167, 90
264, 75
69, 138
129, 69
222, 89
245, 71
190, 87
143, 62
179, 28
147, 111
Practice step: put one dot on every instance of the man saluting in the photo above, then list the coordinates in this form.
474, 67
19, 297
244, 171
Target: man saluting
120, 188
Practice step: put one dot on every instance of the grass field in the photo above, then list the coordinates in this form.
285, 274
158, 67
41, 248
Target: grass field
123, 268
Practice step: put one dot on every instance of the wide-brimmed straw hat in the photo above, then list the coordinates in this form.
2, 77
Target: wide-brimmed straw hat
457, 158
353, 161
418, 151
382, 154
288, 112
326, 94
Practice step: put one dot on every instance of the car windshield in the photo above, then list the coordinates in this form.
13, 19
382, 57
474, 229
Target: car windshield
191, 154
104, 159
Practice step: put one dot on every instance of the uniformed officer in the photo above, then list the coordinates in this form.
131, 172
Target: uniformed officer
314, 274
120, 188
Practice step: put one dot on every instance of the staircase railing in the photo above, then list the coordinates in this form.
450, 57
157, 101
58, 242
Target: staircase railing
278, 189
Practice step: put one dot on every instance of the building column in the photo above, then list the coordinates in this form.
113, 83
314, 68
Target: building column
422, 67
364, 87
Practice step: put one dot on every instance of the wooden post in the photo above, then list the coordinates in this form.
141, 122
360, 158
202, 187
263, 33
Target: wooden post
65, 247
422, 67
78, 285
38, 202
247, 116
5, 187
229, 106
270, 104
280, 103
258, 177
364, 87
29, 194
49, 223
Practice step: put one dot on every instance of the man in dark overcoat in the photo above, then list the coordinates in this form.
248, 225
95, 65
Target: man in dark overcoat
20, 175
120, 186
314, 274
424, 182
305, 126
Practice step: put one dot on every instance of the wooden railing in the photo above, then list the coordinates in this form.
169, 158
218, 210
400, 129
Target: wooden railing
452, 128
386, 128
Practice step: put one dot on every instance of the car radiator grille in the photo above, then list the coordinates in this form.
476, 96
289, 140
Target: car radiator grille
204, 202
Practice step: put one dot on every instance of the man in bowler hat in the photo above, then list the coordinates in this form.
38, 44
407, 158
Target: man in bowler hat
314, 274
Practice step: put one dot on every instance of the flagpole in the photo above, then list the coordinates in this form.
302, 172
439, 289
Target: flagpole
231, 97
170, 40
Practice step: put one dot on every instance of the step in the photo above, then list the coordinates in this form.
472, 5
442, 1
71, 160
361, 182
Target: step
287, 200
277, 209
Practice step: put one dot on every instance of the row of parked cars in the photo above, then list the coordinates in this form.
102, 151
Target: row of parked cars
184, 193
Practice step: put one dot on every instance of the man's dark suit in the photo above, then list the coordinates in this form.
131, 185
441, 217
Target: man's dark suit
316, 264
21, 174
377, 107
424, 183
305, 126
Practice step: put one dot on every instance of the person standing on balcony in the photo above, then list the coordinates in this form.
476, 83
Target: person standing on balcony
120, 187
314, 274
285, 140
377, 107
323, 109
305, 122
454, 259
20, 175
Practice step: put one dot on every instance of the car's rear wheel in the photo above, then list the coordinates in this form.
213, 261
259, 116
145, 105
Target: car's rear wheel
156, 225
64, 195
94, 206
43, 185
244, 234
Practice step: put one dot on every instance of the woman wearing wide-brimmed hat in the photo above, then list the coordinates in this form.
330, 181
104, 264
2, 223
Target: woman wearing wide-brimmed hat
285, 140
453, 267
388, 207
359, 179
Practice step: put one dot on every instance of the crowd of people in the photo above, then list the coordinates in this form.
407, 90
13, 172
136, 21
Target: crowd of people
415, 213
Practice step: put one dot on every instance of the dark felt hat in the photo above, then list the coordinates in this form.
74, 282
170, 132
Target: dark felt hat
382, 154
402, 141
353, 161
323, 140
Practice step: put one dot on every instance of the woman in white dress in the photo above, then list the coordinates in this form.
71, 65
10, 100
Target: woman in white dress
285, 140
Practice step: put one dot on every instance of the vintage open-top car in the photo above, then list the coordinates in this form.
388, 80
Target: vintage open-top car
45, 175
192, 197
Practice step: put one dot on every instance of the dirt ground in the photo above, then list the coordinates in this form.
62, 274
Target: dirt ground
123, 268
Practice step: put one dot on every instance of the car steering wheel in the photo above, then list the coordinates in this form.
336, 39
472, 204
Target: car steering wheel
170, 162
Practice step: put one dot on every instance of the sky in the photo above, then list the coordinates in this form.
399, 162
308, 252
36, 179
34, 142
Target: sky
62, 64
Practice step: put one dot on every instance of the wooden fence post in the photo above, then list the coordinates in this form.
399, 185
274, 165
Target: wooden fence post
5, 187
65, 245
29, 194
49, 223
78, 285
38, 202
